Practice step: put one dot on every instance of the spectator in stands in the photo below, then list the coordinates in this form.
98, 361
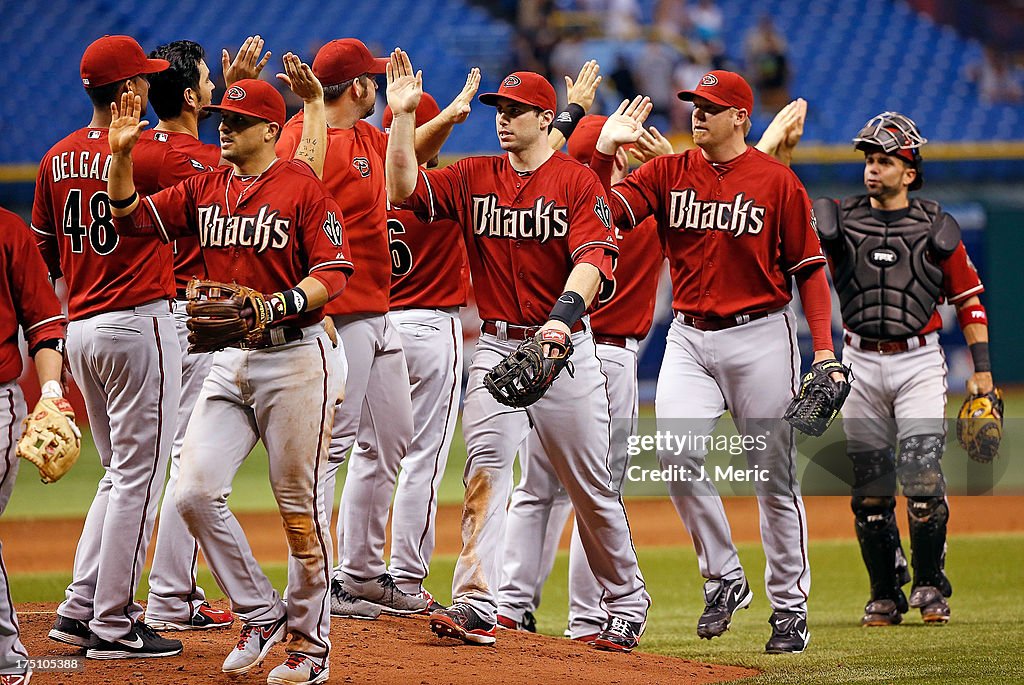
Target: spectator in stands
655, 68
767, 65
622, 77
622, 20
997, 78
707, 20
672, 22
696, 62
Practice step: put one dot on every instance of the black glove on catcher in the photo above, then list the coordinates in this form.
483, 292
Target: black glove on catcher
522, 378
819, 398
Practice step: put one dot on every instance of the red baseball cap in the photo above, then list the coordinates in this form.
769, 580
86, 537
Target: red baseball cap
425, 111
526, 87
726, 88
253, 98
116, 58
344, 59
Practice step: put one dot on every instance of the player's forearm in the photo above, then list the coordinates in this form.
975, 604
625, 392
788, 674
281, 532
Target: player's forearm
121, 185
401, 164
49, 363
584, 279
312, 147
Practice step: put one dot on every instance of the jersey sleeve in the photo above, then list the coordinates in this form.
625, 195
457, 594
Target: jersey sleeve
43, 224
960, 279
591, 238
437, 193
177, 167
166, 213
36, 305
637, 196
325, 242
801, 248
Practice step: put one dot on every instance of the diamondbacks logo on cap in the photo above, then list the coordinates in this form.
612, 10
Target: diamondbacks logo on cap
235, 93
332, 227
709, 80
511, 82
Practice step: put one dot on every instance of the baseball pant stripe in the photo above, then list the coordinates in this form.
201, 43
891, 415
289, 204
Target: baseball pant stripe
9, 456
11, 468
141, 534
797, 505
325, 551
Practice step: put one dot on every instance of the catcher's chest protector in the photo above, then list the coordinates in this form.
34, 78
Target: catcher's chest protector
886, 278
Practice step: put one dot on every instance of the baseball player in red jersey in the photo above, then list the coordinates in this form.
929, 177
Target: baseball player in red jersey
429, 283
738, 229
377, 412
124, 355
172, 151
539, 240
27, 301
270, 223
539, 503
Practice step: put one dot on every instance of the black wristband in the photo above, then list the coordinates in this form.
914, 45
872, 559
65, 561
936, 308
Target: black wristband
567, 119
125, 203
569, 308
979, 353
288, 303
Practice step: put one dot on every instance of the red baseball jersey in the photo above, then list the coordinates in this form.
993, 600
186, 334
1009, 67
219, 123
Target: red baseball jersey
267, 232
627, 305
429, 266
104, 271
162, 158
734, 233
524, 232
26, 296
354, 173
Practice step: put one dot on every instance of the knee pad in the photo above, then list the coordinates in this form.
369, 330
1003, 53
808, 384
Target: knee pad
919, 467
874, 473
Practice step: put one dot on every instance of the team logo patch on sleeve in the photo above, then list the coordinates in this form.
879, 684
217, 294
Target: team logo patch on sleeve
332, 227
604, 213
197, 165
362, 165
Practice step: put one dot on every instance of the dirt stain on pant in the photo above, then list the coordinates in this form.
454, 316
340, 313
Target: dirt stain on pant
477, 502
301, 534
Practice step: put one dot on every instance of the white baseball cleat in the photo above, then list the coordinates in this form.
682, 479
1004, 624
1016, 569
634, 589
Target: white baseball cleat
253, 646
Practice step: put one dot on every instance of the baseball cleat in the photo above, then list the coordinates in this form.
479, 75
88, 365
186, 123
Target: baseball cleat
883, 612
619, 635
205, 617
586, 639
345, 605
789, 633
141, 643
71, 631
722, 598
934, 607
253, 645
460, 621
432, 604
298, 669
528, 624
382, 592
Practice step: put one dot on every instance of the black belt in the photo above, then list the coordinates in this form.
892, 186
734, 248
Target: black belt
615, 340
886, 346
720, 323
272, 337
522, 332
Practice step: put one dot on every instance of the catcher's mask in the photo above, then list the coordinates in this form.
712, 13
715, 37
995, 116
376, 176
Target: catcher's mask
894, 134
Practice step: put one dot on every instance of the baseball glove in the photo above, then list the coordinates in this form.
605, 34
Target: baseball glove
979, 425
224, 315
51, 440
522, 378
819, 398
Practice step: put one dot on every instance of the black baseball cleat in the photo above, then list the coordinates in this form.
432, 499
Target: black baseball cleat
619, 635
789, 633
934, 607
722, 598
884, 612
463, 623
71, 631
141, 643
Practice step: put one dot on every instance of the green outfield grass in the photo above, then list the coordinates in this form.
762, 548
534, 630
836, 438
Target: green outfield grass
982, 644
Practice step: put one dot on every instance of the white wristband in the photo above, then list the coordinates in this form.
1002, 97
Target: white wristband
51, 389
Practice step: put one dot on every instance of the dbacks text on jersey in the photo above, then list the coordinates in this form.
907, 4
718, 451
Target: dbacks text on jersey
740, 216
262, 231
540, 222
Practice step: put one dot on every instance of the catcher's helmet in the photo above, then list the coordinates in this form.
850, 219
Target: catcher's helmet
894, 134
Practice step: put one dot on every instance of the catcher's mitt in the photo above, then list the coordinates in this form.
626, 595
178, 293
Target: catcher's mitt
819, 398
979, 425
224, 315
522, 378
51, 440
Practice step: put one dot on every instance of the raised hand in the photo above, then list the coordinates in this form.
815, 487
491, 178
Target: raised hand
625, 125
300, 78
125, 127
404, 87
459, 108
785, 131
583, 90
247, 63
651, 144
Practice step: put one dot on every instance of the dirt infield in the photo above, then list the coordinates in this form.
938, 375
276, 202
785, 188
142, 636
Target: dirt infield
49, 545
389, 651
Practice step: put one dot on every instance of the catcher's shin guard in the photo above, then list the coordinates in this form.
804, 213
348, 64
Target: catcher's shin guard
874, 505
920, 474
